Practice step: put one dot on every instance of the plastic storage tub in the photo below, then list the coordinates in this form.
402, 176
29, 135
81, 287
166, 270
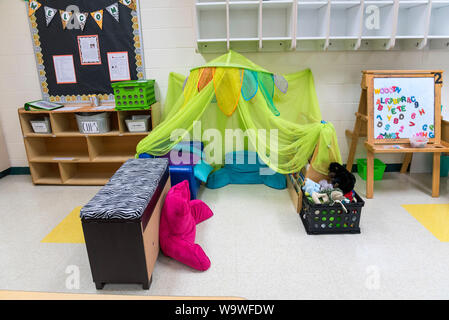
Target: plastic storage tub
325, 219
379, 169
41, 125
135, 94
138, 123
418, 141
93, 122
179, 173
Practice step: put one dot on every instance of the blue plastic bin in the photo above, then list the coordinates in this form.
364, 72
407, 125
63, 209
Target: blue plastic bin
180, 173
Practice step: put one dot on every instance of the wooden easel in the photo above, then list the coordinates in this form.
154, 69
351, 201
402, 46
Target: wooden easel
364, 127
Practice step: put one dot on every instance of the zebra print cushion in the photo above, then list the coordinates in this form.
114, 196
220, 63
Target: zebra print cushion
128, 192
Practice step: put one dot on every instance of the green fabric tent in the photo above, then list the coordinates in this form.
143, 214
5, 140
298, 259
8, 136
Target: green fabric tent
231, 92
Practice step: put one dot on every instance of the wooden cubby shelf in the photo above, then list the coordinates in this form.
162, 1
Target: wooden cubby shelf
113, 148
87, 173
56, 149
66, 156
45, 173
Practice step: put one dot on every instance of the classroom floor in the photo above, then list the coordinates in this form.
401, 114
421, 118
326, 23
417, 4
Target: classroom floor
256, 242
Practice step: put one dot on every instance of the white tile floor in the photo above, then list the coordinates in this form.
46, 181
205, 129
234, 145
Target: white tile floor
256, 242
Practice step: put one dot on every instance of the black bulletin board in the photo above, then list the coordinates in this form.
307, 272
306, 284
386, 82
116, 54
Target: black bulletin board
53, 40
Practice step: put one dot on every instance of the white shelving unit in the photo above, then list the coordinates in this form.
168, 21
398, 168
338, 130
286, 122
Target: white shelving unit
382, 35
438, 36
277, 20
346, 18
278, 25
244, 29
212, 25
413, 23
312, 26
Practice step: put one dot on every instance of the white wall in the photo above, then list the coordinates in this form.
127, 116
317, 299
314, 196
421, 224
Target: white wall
168, 31
18, 76
4, 157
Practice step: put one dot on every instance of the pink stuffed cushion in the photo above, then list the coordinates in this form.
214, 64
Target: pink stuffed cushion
181, 190
178, 226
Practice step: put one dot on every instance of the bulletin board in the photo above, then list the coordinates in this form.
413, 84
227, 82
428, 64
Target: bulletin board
404, 107
82, 46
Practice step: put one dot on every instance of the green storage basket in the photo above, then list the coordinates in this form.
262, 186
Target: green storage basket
134, 94
379, 168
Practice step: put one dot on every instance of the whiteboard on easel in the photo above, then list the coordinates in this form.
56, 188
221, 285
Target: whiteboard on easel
404, 107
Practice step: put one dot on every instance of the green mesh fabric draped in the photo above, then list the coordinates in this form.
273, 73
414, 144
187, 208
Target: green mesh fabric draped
237, 94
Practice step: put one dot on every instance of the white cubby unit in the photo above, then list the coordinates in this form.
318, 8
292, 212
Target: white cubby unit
279, 25
244, 25
276, 25
379, 24
346, 18
212, 25
312, 26
438, 36
413, 23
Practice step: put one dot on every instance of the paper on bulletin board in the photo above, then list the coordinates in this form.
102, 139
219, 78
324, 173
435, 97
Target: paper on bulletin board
404, 107
89, 49
104, 107
64, 69
68, 108
119, 66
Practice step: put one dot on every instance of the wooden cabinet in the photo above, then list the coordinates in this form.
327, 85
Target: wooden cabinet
66, 156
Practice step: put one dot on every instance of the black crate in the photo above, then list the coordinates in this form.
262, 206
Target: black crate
326, 219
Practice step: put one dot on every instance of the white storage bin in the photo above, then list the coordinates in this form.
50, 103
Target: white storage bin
93, 122
41, 125
138, 123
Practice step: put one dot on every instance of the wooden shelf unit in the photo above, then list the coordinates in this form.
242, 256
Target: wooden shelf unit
67, 157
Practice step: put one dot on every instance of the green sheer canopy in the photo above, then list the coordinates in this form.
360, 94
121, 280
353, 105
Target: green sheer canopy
278, 115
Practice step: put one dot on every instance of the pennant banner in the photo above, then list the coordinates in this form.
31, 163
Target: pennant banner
113, 10
65, 18
129, 3
49, 14
98, 17
82, 18
32, 7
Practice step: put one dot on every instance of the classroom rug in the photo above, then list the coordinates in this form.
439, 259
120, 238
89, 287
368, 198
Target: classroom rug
68, 230
434, 217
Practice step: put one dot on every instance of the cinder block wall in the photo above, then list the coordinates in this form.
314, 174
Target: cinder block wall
168, 31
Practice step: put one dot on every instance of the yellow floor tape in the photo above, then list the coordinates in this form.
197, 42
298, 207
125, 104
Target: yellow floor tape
434, 217
68, 231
